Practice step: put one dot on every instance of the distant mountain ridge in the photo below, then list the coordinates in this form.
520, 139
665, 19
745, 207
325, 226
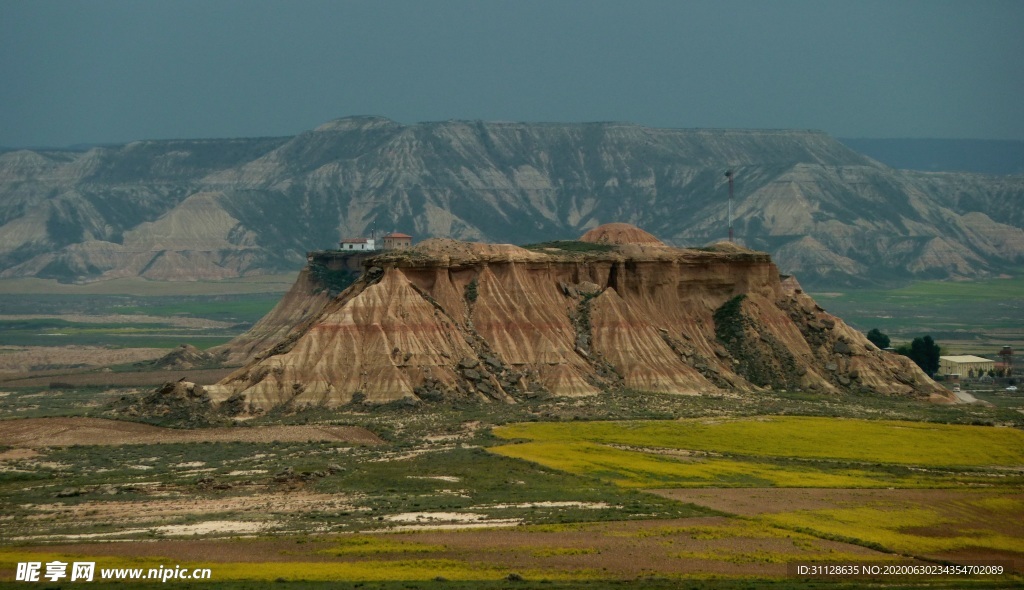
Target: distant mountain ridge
979, 156
205, 209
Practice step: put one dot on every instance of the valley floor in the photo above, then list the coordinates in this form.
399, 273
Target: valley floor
632, 489
624, 490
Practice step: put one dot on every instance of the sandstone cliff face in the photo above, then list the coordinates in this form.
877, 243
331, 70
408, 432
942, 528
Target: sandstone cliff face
326, 275
453, 319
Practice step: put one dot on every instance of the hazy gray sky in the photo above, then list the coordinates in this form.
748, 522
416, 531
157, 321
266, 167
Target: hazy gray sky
111, 71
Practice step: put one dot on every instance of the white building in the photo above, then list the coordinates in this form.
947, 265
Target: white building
965, 365
358, 244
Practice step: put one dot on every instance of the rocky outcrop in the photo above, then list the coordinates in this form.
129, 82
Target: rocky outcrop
457, 320
182, 404
183, 357
188, 210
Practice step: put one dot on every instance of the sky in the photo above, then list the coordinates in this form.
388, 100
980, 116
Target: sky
111, 71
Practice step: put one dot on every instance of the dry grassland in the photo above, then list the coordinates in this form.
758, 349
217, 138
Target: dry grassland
617, 550
18, 359
331, 503
62, 432
126, 379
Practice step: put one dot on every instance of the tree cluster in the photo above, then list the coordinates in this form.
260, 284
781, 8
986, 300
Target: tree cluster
924, 352
878, 338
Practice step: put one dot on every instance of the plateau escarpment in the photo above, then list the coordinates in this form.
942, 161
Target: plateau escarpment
456, 320
188, 210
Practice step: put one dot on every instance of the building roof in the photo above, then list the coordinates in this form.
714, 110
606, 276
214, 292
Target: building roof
354, 241
965, 358
397, 235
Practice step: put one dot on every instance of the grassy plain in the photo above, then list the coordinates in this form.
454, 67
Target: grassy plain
976, 317
134, 313
59, 333
569, 507
875, 441
145, 288
975, 524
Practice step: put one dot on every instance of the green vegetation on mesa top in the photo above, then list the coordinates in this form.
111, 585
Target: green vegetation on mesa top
573, 246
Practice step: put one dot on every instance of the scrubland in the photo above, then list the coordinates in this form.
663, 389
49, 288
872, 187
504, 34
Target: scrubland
632, 489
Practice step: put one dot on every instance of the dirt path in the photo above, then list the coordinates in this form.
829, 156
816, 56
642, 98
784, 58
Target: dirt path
60, 432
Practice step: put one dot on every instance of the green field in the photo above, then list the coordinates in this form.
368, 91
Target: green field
38, 312
144, 288
981, 467
977, 317
772, 452
235, 308
896, 526
59, 332
61, 319
876, 441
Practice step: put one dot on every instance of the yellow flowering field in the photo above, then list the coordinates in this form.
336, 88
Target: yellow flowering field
873, 441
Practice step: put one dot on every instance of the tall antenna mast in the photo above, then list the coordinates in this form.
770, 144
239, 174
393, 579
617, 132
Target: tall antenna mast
728, 174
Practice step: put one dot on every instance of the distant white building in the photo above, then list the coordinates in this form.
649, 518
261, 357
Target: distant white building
358, 244
965, 365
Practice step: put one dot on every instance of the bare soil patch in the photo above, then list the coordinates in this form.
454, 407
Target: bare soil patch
126, 379
18, 454
264, 503
17, 359
59, 432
